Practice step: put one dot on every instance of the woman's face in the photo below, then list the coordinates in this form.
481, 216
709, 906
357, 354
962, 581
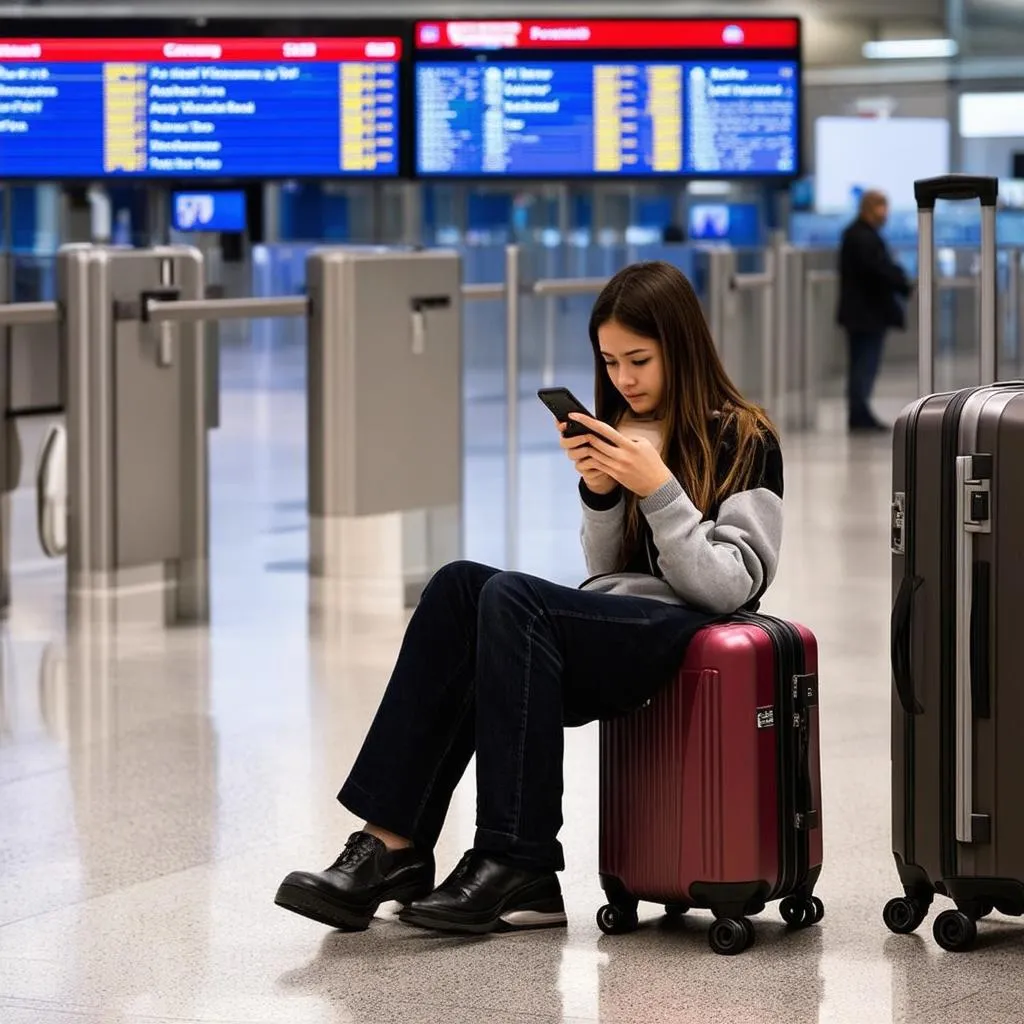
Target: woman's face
635, 366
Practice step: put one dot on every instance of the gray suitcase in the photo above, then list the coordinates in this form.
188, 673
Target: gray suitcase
957, 656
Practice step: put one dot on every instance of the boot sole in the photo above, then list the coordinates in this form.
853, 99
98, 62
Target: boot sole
533, 916
316, 906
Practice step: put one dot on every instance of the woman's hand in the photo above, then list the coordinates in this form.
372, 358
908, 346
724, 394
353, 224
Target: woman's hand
633, 462
579, 450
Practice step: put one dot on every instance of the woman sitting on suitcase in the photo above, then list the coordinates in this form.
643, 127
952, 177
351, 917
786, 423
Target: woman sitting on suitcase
682, 522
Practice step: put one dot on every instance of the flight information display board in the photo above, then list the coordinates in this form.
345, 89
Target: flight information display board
183, 108
697, 98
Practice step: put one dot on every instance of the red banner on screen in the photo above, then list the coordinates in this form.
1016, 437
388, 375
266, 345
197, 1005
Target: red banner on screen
171, 51
779, 34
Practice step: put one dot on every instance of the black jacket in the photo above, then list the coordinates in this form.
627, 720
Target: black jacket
871, 284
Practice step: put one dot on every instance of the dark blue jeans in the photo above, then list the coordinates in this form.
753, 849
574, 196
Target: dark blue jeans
865, 360
497, 664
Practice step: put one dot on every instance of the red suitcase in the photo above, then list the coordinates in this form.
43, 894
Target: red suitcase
711, 794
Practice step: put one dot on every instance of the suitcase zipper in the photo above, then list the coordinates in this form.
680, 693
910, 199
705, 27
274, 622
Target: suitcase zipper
909, 570
792, 763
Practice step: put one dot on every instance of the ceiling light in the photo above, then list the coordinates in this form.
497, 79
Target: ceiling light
910, 49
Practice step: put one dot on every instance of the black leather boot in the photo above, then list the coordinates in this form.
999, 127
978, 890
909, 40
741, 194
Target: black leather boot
366, 874
484, 895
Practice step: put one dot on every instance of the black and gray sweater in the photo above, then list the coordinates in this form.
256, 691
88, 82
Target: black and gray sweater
719, 562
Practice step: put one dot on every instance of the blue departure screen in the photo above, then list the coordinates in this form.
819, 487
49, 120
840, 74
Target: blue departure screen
741, 118
227, 108
627, 98
584, 118
549, 118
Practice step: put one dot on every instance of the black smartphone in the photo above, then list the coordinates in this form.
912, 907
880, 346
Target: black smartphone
561, 402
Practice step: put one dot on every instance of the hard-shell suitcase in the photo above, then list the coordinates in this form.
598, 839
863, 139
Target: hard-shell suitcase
711, 794
957, 656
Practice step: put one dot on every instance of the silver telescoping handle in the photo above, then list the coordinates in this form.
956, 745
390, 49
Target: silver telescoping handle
988, 357
926, 301
928, 191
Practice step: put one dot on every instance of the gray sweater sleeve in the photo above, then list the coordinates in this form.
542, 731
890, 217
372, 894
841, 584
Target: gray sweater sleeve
718, 563
721, 564
601, 533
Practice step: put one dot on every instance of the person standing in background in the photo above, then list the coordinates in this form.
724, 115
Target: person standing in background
872, 287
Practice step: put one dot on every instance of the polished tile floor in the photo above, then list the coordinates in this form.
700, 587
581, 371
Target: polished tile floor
156, 785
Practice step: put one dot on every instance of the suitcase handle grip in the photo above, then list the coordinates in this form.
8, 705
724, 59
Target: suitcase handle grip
980, 700
900, 642
956, 187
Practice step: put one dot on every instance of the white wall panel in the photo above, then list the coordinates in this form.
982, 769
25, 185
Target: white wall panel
911, 99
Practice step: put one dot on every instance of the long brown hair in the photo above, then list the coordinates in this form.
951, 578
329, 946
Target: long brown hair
656, 301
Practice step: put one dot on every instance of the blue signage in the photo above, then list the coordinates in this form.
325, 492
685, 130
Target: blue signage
199, 108
737, 224
637, 99
208, 211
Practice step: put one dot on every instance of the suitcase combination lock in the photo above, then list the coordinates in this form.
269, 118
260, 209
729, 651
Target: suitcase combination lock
899, 522
977, 501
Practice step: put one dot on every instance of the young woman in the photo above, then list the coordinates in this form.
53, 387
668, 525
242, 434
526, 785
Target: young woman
681, 488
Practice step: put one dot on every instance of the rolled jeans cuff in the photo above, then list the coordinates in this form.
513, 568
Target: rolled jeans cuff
539, 855
355, 799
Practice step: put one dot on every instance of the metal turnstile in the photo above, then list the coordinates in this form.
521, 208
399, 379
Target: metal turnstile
385, 412
31, 375
137, 420
740, 309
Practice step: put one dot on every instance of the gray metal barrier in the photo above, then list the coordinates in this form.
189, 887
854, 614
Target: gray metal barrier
38, 348
385, 380
23, 314
821, 337
955, 326
1012, 340
736, 345
514, 290
741, 312
796, 354
385, 373
136, 407
384, 357
30, 359
31, 376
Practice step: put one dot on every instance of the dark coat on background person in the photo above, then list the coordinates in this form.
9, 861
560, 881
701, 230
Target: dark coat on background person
872, 286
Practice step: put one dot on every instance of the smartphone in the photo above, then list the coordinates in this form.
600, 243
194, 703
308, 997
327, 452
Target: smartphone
561, 402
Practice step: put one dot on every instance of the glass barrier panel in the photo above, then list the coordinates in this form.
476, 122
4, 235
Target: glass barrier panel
33, 277
485, 390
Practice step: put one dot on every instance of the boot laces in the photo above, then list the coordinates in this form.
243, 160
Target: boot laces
359, 846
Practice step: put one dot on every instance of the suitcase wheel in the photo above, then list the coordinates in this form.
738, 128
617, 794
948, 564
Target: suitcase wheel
674, 911
730, 935
904, 915
614, 920
954, 931
802, 911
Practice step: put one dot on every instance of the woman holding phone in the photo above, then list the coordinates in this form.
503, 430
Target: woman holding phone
681, 494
